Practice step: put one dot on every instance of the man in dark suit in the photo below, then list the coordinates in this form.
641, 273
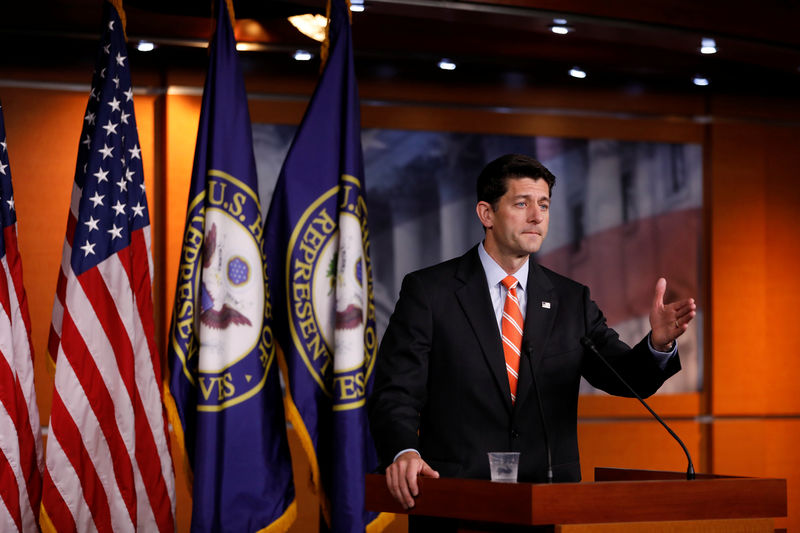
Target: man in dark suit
465, 348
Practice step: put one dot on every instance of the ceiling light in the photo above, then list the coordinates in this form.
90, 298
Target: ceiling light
700, 81
560, 22
310, 25
708, 46
446, 64
145, 46
356, 6
559, 29
302, 55
576, 72
250, 47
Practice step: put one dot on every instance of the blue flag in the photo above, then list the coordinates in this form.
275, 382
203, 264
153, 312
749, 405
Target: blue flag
321, 286
224, 377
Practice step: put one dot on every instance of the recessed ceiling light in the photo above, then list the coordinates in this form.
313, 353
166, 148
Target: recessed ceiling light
356, 6
250, 47
577, 72
302, 55
145, 46
708, 46
560, 22
700, 81
446, 64
560, 29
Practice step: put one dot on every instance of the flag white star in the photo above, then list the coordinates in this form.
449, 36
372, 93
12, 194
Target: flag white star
10, 203
92, 223
115, 79
128, 94
119, 207
138, 210
103, 73
135, 152
89, 117
124, 119
122, 184
97, 199
106, 150
111, 25
115, 232
3, 168
85, 166
87, 248
110, 128
107, 47
122, 160
121, 59
101, 175
142, 186
129, 174
114, 103
92, 93
3, 144
87, 141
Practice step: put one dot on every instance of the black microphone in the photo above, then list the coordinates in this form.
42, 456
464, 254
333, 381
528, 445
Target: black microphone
589, 345
526, 347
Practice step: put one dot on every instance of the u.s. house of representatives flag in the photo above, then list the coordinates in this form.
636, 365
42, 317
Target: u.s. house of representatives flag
321, 286
108, 465
20, 434
223, 377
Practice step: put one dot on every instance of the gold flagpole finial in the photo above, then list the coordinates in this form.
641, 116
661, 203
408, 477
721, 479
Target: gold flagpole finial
231, 13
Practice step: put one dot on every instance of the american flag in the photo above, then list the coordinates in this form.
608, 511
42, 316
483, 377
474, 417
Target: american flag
20, 434
108, 465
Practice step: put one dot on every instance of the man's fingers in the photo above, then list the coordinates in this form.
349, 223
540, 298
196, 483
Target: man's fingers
658, 296
428, 471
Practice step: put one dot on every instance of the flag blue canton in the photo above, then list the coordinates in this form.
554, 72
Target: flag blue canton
8, 213
109, 170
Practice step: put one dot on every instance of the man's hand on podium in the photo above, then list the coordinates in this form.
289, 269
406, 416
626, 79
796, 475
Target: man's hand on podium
401, 477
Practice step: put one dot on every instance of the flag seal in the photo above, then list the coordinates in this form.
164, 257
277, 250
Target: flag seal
224, 232
329, 250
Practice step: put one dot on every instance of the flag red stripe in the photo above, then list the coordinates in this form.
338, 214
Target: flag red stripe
17, 409
63, 428
135, 258
83, 364
144, 299
61, 292
56, 508
9, 491
105, 308
15, 267
150, 469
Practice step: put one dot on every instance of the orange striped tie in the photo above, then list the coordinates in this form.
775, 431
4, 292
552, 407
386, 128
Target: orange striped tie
511, 326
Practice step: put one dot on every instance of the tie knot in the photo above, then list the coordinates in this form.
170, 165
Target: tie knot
509, 282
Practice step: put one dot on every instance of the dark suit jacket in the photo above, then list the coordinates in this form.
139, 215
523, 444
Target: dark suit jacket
441, 385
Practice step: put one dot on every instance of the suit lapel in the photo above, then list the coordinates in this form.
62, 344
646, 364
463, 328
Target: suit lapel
476, 304
541, 309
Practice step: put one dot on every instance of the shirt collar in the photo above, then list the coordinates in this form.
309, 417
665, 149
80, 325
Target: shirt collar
495, 273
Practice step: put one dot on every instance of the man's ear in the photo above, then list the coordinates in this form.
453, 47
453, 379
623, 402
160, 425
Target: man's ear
485, 214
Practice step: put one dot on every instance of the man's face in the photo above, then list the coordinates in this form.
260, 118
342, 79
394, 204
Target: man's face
518, 226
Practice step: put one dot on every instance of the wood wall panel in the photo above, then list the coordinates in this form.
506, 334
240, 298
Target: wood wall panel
640, 444
755, 258
761, 448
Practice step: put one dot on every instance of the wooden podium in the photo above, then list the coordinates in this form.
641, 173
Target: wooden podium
619, 500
